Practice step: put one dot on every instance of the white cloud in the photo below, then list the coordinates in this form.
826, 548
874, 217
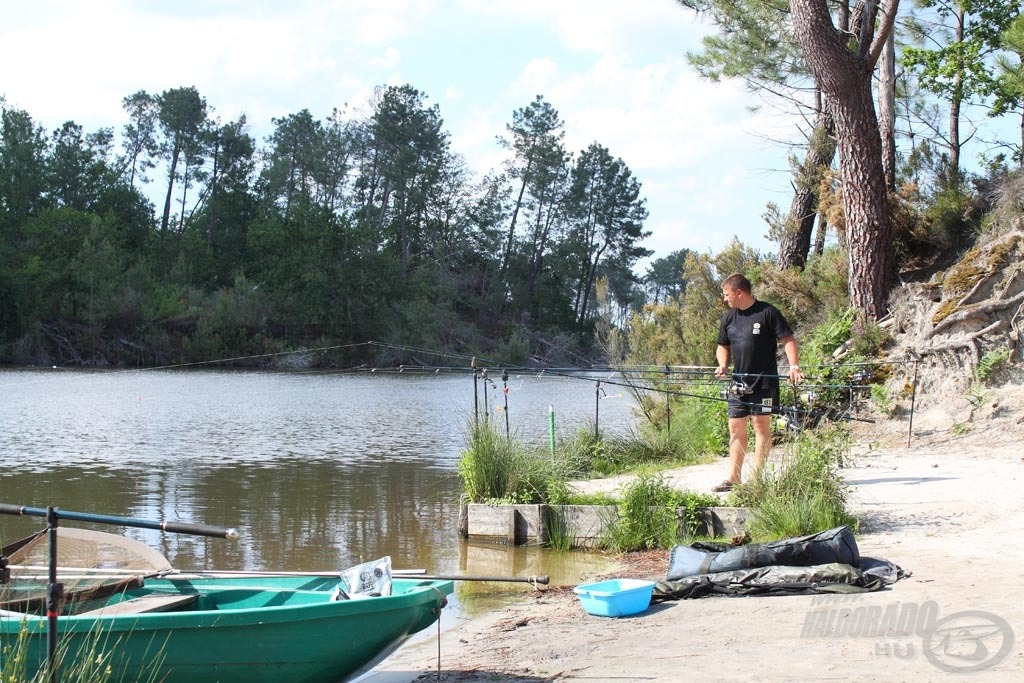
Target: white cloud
475, 139
388, 59
655, 117
537, 77
600, 25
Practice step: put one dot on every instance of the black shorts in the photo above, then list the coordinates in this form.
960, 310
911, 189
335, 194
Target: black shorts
763, 400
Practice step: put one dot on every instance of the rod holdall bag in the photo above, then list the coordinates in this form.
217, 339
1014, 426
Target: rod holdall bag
834, 545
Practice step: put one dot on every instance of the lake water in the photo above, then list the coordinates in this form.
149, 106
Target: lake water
317, 470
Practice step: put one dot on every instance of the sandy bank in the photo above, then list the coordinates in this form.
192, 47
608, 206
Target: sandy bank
947, 508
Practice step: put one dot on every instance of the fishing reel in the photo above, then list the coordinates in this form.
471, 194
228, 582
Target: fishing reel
739, 388
861, 376
789, 419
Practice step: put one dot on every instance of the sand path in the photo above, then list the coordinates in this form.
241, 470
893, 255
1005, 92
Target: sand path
948, 508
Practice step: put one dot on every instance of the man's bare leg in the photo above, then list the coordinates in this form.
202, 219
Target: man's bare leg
737, 447
762, 440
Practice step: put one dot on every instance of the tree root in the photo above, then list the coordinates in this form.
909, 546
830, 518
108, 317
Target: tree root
970, 342
979, 311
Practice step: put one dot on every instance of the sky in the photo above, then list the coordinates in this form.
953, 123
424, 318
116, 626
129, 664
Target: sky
616, 72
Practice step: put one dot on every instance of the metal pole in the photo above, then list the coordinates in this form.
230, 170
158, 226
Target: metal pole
54, 596
487, 410
476, 395
913, 398
504, 390
168, 526
668, 404
597, 409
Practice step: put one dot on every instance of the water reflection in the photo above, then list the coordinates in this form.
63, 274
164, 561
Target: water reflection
318, 471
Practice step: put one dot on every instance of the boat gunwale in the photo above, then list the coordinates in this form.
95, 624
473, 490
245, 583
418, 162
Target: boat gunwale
419, 595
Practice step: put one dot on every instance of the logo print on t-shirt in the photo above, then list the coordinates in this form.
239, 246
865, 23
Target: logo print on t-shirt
757, 328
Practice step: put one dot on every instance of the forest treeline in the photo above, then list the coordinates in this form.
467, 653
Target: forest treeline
329, 232
353, 228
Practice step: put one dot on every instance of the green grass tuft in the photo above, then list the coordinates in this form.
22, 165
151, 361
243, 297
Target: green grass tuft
805, 494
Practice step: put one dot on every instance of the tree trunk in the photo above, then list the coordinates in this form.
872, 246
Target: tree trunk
403, 231
795, 243
954, 106
887, 110
214, 181
588, 286
507, 257
540, 243
845, 78
184, 194
170, 189
819, 236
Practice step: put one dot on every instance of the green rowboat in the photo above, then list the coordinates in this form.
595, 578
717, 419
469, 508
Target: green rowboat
228, 630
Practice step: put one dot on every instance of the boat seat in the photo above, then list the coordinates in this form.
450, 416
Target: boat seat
155, 602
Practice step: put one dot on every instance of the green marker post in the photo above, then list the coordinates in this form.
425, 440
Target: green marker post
551, 428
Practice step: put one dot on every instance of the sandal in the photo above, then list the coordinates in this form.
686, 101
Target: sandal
724, 486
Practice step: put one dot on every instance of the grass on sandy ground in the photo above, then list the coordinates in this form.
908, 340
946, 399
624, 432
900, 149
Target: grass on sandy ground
649, 518
496, 468
499, 468
805, 493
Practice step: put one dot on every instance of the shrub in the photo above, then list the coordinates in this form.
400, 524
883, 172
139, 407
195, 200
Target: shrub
647, 516
584, 453
991, 363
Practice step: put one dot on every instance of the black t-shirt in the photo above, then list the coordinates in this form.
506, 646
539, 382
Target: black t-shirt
752, 337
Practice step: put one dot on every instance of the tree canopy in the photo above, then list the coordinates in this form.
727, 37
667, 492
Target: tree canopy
331, 231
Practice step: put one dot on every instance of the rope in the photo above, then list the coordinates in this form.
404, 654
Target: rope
441, 603
439, 649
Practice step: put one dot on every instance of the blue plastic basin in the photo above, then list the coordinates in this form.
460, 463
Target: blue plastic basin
616, 597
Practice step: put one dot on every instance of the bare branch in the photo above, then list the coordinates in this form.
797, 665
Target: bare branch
883, 33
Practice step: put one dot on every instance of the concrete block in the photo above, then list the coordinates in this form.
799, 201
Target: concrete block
727, 521
584, 524
507, 523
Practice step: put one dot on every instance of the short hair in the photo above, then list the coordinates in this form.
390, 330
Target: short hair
737, 281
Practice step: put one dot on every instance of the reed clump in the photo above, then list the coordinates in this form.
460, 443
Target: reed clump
94, 660
497, 469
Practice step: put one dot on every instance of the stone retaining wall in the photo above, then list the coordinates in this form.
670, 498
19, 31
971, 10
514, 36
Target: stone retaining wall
584, 524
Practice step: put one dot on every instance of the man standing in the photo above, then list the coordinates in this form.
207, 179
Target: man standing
749, 336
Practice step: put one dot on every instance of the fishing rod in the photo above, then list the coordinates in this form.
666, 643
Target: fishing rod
185, 575
777, 410
398, 574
